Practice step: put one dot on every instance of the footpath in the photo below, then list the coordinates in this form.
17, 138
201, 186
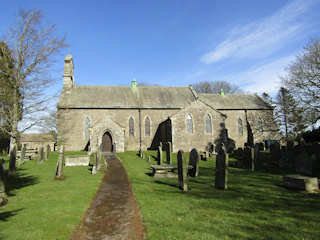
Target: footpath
114, 212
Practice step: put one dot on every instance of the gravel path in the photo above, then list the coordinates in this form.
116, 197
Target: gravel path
114, 213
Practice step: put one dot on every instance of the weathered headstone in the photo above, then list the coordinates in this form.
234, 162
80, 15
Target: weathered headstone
160, 144
262, 146
40, 154
275, 152
182, 171
159, 155
221, 176
303, 163
169, 153
3, 195
13, 158
23, 154
149, 158
60, 164
95, 162
303, 183
248, 159
194, 161
48, 150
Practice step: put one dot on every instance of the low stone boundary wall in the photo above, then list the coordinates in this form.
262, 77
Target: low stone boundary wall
77, 160
303, 183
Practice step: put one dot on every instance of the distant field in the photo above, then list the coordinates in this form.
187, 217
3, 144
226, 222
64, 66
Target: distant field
41, 207
255, 206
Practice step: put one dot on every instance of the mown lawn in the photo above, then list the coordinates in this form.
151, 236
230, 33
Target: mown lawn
41, 207
255, 205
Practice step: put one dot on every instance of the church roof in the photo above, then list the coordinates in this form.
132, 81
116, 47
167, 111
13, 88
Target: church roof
127, 97
235, 101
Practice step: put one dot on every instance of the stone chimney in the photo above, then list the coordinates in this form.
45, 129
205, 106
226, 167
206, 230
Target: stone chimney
68, 77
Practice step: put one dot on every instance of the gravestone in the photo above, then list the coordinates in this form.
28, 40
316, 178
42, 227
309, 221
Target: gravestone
60, 164
203, 156
23, 154
48, 150
316, 159
248, 158
303, 163
13, 158
256, 154
262, 146
221, 176
159, 155
160, 144
140, 152
3, 195
149, 158
302, 183
169, 153
182, 171
275, 153
40, 154
194, 161
283, 161
95, 160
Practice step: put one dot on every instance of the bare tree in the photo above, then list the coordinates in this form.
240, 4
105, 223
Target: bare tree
216, 86
33, 45
303, 81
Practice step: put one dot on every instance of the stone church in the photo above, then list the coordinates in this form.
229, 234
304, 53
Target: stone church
121, 118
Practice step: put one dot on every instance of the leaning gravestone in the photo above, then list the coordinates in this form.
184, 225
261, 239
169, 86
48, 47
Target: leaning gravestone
248, 158
182, 171
194, 161
169, 153
60, 163
40, 154
221, 177
13, 158
159, 155
48, 150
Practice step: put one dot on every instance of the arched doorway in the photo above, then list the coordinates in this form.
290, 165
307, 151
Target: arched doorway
106, 142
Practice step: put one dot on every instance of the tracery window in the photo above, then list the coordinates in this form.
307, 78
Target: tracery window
208, 124
260, 125
189, 124
131, 127
147, 127
240, 126
87, 124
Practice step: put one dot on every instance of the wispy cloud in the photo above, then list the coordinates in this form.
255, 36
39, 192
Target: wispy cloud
261, 38
265, 78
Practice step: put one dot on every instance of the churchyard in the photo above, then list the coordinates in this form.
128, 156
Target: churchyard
246, 200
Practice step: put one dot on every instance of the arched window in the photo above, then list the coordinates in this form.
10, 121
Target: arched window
87, 124
240, 127
131, 127
147, 127
189, 124
208, 124
260, 125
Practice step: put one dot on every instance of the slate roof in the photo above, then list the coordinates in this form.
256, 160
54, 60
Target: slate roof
235, 101
126, 97
153, 97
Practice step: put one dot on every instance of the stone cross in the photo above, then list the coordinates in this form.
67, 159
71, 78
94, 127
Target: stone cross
169, 153
182, 171
194, 161
60, 164
48, 150
248, 158
159, 155
13, 158
40, 154
221, 177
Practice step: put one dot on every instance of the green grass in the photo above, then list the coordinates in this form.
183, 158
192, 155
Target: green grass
41, 207
255, 205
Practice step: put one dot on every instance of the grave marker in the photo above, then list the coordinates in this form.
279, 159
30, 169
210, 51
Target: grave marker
221, 176
13, 158
248, 158
48, 150
159, 155
23, 154
60, 164
169, 153
40, 154
182, 171
194, 161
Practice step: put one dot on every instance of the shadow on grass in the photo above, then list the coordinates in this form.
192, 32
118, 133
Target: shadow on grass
18, 180
5, 216
165, 183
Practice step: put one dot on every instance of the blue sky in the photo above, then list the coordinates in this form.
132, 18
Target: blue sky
177, 43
